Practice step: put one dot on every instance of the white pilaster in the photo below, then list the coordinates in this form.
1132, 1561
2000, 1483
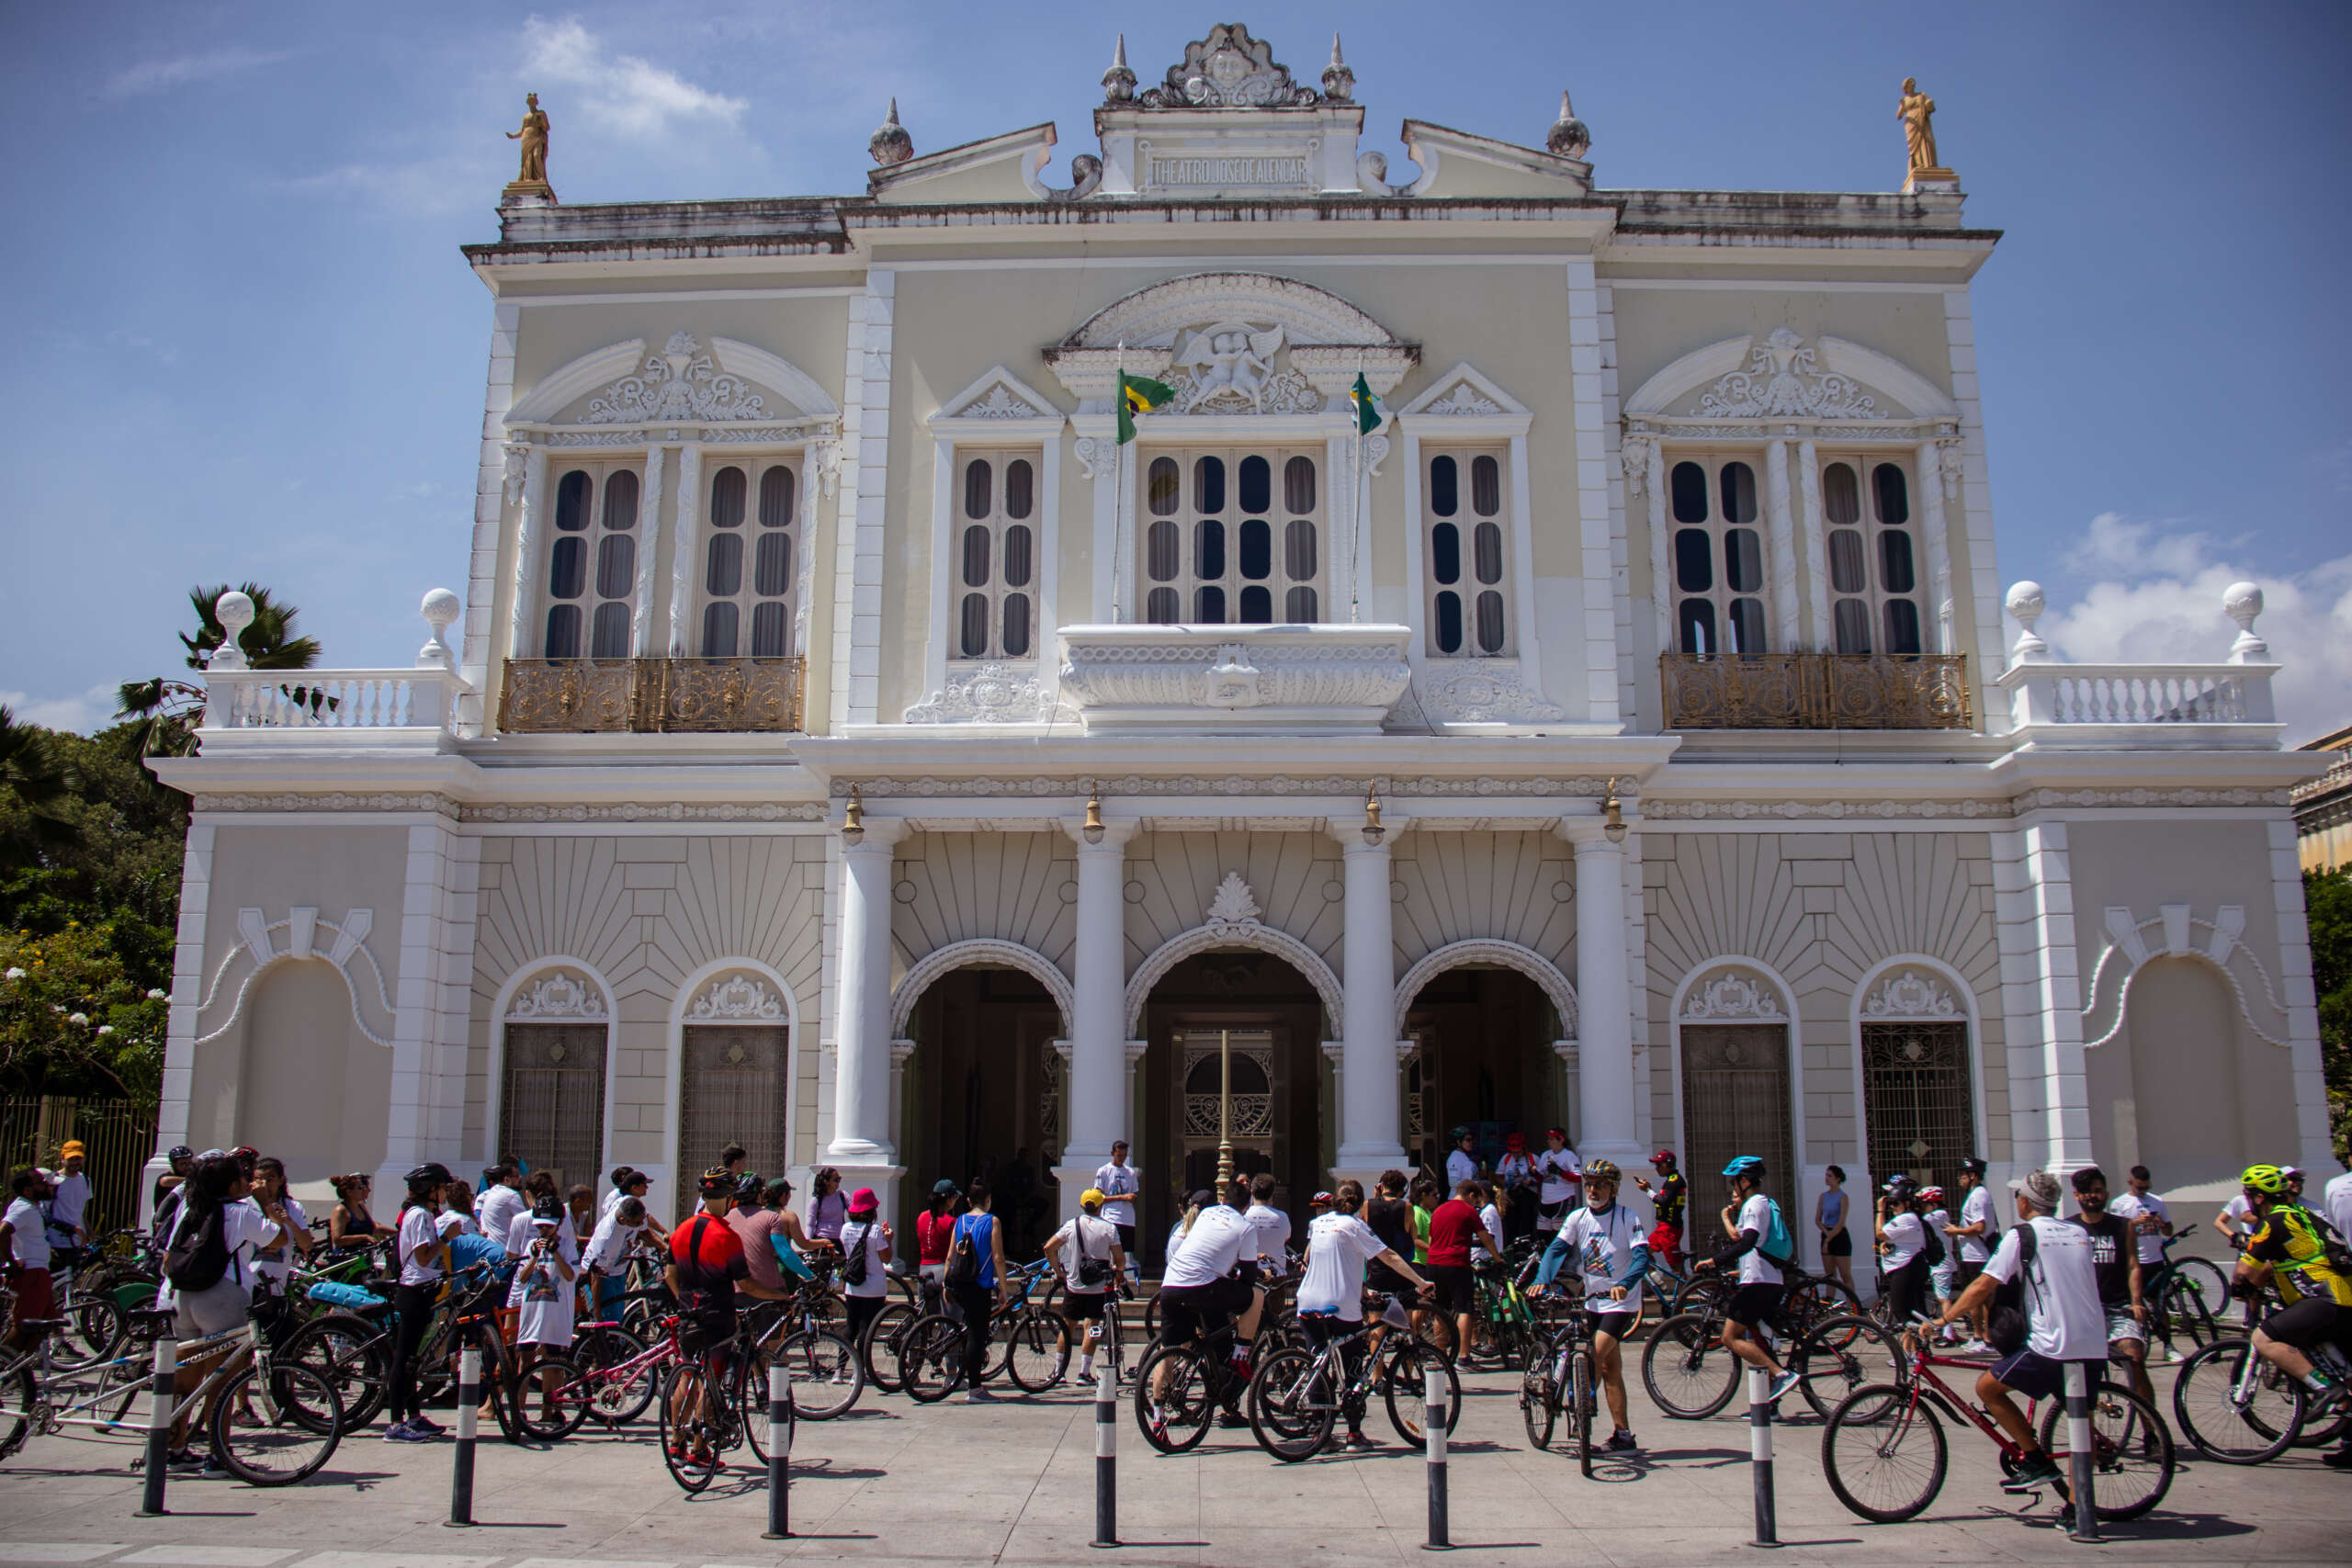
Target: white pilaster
1783, 548
187, 991
490, 515
1370, 1104
1653, 454
845, 510
1604, 999
1816, 548
420, 1113
2041, 998
648, 550
1983, 587
1931, 525
870, 457
521, 636
2318, 1155
683, 641
1597, 665
1095, 1100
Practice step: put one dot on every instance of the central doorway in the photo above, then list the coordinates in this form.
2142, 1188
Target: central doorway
1280, 1089
983, 1096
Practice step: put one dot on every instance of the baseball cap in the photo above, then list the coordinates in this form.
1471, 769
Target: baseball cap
2039, 1188
942, 1187
1203, 1199
73, 1146
1092, 1198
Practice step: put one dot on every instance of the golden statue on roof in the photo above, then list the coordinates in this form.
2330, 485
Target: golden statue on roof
1918, 113
533, 178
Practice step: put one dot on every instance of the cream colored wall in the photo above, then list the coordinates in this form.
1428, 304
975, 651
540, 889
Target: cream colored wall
1820, 909
310, 1087
646, 913
1020, 887
1510, 886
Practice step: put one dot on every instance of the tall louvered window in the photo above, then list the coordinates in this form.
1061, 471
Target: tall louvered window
1466, 541
992, 555
1716, 554
753, 532
591, 561
1233, 536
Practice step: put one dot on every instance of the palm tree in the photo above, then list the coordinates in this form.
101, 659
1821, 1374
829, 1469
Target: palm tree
169, 712
33, 786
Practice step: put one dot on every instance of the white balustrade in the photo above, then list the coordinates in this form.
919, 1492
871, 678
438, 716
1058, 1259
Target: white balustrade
238, 698
2080, 706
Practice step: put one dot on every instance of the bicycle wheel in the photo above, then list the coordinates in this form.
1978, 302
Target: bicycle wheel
2222, 1424
1688, 1374
1580, 1396
827, 1377
1151, 1318
552, 1414
279, 1449
1839, 1355
931, 1358
346, 1353
1539, 1407
94, 1331
875, 1348
1034, 1355
1175, 1398
690, 1440
1291, 1406
752, 1408
16, 1409
2131, 1453
618, 1386
2209, 1282
1883, 1453
1404, 1390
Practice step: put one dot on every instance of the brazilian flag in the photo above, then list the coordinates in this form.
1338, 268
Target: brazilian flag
1138, 394
1368, 418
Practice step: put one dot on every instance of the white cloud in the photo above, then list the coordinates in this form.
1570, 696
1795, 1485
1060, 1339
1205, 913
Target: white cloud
156, 76
622, 92
429, 187
2157, 598
82, 713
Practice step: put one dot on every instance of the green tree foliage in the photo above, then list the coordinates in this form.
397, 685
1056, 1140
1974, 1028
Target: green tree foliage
33, 787
164, 711
2327, 895
73, 1020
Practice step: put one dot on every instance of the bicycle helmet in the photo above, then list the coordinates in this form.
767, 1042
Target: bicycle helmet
429, 1175
179, 1151
1932, 1194
1972, 1165
1902, 1189
1602, 1170
717, 1182
1745, 1164
2264, 1179
748, 1185
1459, 1134
1663, 1159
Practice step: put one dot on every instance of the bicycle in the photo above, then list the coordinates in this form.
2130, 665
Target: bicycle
1883, 1451
1564, 1375
817, 1354
1691, 1376
1178, 1387
2236, 1408
1295, 1395
2182, 1294
699, 1423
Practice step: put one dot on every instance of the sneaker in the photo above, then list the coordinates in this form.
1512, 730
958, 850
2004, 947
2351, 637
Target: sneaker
430, 1428
979, 1396
1623, 1443
406, 1432
1229, 1419
1782, 1385
2033, 1472
185, 1461
1976, 1347
2339, 1459
1358, 1441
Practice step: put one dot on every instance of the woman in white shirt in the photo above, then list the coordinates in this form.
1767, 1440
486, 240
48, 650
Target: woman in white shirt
547, 1263
862, 1231
1903, 1242
424, 1256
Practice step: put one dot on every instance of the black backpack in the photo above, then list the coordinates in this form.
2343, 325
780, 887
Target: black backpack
1934, 1249
963, 1271
853, 1254
199, 1259
2009, 1323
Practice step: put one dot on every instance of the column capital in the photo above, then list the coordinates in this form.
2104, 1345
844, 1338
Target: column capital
882, 835
1349, 831
1116, 832
1064, 1049
1335, 1051
1405, 1049
1565, 1050
1135, 1049
899, 1051
1590, 835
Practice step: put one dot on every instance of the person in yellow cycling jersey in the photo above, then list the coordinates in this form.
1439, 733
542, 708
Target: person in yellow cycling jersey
2289, 1249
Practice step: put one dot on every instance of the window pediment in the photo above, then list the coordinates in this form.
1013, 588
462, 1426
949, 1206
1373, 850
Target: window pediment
1826, 386
627, 394
1233, 342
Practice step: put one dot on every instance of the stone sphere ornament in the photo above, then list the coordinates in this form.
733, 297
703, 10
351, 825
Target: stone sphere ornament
1568, 137
891, 143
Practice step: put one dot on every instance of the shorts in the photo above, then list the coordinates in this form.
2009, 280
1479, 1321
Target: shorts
216, 1310
1126, 1242
35, 1297
1666, 1241
707, 1329
1549, 1215
1083, 1306
1617, 1325
1905, 1290
2310, 1321
1457, 1288
2036, 1377
1839, 1244
1388, 1282
1751, 1305
2121, 1325
1968, 1272
1187, 1312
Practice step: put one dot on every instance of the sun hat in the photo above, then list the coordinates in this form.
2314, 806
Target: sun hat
864, 1202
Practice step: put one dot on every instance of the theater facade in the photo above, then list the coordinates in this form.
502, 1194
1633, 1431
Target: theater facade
852, 749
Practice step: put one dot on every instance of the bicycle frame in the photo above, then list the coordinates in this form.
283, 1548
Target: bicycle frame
1923, 1382
49, 1417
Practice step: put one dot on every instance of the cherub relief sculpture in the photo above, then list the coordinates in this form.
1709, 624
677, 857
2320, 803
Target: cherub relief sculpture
1230, 358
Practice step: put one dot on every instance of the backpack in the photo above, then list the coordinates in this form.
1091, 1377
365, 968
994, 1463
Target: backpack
1934, 1246
854, 1260
1776, 1247
199, 1259
1091, 1271
2009, 1322
963, 1271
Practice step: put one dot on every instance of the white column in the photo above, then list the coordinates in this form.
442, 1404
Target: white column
2033, 901
649, 547
1817, 546
1938, 539
520, 635
1369, 1115
1784, 548
1644, 461
1604, 999
682, 553
862, 1033
189, 954
490, 497
1095, 1094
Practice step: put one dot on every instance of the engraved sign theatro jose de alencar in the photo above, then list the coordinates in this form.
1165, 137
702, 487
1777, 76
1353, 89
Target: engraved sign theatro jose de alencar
1225, 172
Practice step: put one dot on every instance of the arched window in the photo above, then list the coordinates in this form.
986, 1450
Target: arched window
592, 562
1716, 554
1466, 541
1917, 1102
1875, 572
1232, 537
993, 565
750, 558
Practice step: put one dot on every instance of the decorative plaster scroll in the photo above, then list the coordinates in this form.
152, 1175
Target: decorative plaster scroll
680, 384
1481, 691
992, 693
2128, 951
1734, 994
983, 952
926, 787
1911, 993
2038, 799
1214, 938
737, 998
439, 804
255, 945
1234, 903
1152, 317
1633, 459
1784, 380
561, 997
1486, 953
1229, 69
1091, 452
1463, 400
653, 811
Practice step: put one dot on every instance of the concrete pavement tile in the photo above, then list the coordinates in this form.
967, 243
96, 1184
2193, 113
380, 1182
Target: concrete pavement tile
588, 1563
395, 1559
212, 1556
1336, 1548
57, 1551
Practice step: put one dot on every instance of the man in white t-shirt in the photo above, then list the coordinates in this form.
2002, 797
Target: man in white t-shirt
24, 1247
2065, 1320
1210, 1278
69, 1200
1902, 1236
1751, 1218
1562, 1175
1270, 1223
1611, 1253
1096, 1261
1119, 1185
1974, 1238
1330, 1285
2235, 1222
2336, 1197
1461, 1165
500, 1205
2146, 1213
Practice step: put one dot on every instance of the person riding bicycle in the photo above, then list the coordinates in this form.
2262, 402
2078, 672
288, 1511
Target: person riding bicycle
1212, 1279
2290, 1247
1761, 1246
1605, 1238
1332, 1286
1670, 1195
707, 1269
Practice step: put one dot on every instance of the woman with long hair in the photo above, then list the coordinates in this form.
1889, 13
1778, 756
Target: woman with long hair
827, 1206
350, 1224
423, 1253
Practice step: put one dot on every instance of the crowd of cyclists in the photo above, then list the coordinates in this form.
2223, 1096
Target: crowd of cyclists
588, 1308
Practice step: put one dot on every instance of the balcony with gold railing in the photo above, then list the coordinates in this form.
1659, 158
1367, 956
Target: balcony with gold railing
650, 696
1816, 691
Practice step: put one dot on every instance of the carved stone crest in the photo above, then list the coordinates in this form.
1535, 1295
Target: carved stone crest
1228, 69
1906, 993
990, 693
681, 383
1228, 367
1784, 380
1731, 994
738, 998
1234, 905
560, 996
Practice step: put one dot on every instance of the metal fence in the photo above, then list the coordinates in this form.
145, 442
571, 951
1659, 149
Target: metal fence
117, 1136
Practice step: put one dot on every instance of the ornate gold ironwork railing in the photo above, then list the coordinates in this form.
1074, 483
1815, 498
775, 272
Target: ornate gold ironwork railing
1816, 691
584, 696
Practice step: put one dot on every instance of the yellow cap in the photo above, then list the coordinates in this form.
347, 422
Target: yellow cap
1092, 1198
73, 1146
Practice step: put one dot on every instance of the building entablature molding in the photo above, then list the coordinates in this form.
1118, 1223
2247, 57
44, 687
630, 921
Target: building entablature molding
2173, 932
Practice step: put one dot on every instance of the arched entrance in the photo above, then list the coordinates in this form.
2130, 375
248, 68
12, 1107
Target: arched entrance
1280, 1090
1482, 1057
982, 1097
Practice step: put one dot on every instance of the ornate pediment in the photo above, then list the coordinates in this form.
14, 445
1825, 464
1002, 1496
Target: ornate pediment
1239, 368
1911, 993
559, 996
998, 395
720, 390
1784, 380
737, 998
1826, 386
1733, 993
680, 382
1229, 69
1234, 343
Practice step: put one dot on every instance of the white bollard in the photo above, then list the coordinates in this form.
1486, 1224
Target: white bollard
1106, 1452
2082, 1460
1760, 1454
461, 1478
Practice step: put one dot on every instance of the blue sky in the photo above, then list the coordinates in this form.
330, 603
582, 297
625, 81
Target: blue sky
244, 345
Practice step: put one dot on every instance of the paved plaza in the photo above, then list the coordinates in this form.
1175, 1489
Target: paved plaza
1013, 1482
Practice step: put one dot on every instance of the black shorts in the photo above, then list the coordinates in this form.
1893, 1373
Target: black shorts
2314, 1321
1907, 1290
1126, 1240
1457, 1287
1616, 1325
1082, 1305
1388, 1282
706, 1328
1751, 1305
1963, 1273
1839, 1244
2039, 1377
1186, 1311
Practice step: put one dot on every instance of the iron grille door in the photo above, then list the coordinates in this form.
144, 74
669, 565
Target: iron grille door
1735, 1101
551, 1115
732, 1090
1916, 1097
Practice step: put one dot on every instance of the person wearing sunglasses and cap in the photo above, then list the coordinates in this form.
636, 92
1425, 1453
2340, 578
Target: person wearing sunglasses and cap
542, 1294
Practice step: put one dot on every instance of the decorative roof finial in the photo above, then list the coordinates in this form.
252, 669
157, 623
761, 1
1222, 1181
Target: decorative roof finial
1339, 82
891, 144
1568, 137
1119, 83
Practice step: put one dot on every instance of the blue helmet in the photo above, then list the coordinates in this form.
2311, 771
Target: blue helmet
1745, 1164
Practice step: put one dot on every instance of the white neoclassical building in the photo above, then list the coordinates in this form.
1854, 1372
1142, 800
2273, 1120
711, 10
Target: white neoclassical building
854, 751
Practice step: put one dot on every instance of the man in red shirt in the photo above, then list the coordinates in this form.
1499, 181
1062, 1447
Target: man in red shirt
1455, 1224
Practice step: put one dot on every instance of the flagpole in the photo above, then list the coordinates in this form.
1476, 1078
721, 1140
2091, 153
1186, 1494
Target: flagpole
1118, 476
